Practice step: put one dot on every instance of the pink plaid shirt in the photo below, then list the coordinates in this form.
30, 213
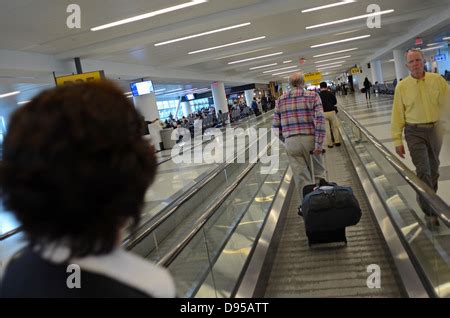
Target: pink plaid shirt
300, 112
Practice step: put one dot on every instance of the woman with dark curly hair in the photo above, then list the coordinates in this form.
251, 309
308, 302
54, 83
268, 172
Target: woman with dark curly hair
75, 171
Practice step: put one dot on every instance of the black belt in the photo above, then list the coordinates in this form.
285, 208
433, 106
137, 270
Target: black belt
424, 125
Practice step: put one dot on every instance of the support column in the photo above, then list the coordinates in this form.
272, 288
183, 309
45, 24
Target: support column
249, 97
186, 106
220, 97
400, 65
146, 105
377, 73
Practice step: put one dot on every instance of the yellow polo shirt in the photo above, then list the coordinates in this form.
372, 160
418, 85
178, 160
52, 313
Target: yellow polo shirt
417, 102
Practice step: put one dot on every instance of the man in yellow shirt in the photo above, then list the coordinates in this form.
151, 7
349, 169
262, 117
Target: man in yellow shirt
418, 104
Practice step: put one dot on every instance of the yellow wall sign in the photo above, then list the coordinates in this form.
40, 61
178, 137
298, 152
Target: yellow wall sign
80, 78
313, 77
355, 71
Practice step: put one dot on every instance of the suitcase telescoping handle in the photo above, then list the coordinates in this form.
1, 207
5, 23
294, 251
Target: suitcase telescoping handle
313, 176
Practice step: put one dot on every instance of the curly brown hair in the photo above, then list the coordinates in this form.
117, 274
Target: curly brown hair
75, 167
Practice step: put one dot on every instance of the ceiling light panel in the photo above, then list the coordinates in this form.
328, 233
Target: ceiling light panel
337, 52
10, 94
329, 6
328, 67
280, 69
255, 58
342, 41
328, 64
281, 73
150, 14
227, 45
203, 34
238, 54
365, 16
262, 66
334, 59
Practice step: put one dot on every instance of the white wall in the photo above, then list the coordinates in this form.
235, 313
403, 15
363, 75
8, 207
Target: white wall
388, 70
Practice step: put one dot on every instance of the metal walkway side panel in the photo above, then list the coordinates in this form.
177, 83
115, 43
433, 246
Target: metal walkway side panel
333, 270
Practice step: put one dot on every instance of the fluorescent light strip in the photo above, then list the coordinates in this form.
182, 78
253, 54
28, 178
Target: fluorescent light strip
337, 52
328, 64
342, 41
286, 62
342, 33
351, 19
280, 69
281, 73
328, 67
393, 60
334, 59
262, 66
328, 6
24, 102
160, 90
203, 34
229, 44
128, 93
225, 57
10, 94
433, 44
446, 38
255, 58
150, 14
429, 49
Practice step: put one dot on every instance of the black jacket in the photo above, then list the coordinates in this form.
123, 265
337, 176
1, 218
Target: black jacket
328, 101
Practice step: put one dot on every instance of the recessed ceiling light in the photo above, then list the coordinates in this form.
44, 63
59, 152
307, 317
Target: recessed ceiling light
10, 94
203, 34
226, 45
255, 58
337, 52
254, 51
262, 66
280, 69
329, 6
350, 19
342, 41
328, 67
149, 15
334, 59
433, 48
291, 71
328, 64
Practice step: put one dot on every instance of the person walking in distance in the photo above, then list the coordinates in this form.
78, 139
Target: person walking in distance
332, 122
367, 85
300, 121
418, 102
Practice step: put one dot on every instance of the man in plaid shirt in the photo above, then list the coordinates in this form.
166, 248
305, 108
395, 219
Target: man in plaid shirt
301, 123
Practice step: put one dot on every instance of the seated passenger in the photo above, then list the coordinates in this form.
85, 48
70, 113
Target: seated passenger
75, 171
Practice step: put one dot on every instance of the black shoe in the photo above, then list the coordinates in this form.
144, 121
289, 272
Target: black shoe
338, 144
300, 212
330, 146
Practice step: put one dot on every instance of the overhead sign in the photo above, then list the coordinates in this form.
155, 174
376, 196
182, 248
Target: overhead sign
314, 76
355, 70
419, 41
80, 78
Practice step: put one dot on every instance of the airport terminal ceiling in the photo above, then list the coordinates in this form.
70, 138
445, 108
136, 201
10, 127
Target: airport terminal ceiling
36, 41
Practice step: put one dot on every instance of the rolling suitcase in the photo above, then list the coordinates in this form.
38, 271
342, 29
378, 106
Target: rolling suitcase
327, 210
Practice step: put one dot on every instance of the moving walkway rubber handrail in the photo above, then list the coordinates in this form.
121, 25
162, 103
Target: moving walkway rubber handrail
167, 259
163, 215
441, 208
10, 233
